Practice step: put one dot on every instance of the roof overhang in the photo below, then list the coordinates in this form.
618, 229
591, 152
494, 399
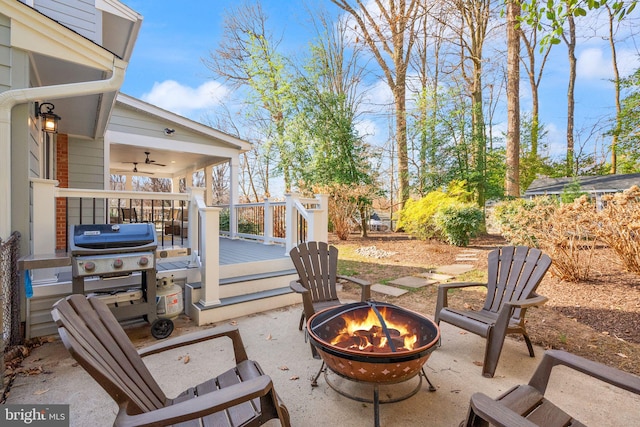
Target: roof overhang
179, 157
60, 55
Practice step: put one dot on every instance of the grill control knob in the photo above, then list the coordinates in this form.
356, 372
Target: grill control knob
117, 263
143, 261
89, 266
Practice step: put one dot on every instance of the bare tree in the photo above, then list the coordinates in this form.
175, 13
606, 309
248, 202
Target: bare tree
247, 57
529, 36
512, 184
570, 40
388, 29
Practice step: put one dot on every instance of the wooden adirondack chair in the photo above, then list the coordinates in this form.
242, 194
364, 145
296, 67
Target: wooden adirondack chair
317, 267
242, 396
514, 273
526, 406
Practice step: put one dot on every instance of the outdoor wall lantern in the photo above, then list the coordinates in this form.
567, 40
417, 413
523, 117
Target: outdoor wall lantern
49, 118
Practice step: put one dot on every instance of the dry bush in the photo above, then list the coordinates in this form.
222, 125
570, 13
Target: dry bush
570, 240
563, 231
344, 204
619, 226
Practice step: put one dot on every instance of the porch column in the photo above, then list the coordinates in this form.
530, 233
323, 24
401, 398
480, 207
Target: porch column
291, 222
175, 184
208, 185
268, 222
209, 254
320, 228
128, 183
43, 237
234, 183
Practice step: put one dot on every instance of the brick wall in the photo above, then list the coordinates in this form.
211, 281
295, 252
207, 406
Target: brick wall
62, 175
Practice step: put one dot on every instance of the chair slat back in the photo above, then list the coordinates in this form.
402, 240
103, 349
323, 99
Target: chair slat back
317, 266
514, 273
93, 336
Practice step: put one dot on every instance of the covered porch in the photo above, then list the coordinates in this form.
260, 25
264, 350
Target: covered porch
227, 268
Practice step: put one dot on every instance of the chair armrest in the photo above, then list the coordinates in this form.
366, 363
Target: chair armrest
366, 286
443, 300
297, 287
200, 406
496, 413
229, 331
536, 300
613, 376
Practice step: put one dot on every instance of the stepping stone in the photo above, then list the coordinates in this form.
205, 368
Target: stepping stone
466, 259
436, 276
455, 269
412, 282
388, 290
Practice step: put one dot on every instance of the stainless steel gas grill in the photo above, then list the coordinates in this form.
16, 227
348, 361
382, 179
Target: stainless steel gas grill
114, 250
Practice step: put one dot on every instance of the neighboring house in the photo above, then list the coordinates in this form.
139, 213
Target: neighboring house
594, 185
72, 55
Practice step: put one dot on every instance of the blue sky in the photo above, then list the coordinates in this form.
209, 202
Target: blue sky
167, 70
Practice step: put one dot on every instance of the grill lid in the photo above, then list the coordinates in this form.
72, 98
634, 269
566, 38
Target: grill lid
112, 236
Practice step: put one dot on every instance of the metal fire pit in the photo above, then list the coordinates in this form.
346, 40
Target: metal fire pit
379, 368
113, 250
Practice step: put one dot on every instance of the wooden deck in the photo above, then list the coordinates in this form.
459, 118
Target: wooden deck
232, 251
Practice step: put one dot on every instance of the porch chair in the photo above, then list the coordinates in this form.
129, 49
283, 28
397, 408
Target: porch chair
514, 274
526, 406
243, 395
317, 267
178, 225
129, 215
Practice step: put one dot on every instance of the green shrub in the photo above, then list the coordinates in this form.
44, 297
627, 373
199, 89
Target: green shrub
458, 223
417, 216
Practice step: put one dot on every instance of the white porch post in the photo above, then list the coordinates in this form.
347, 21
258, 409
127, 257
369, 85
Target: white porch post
43, 238
291, 222
128, 184
268, 222
209, 252
320, 226
175, 184
234, 182
208, 185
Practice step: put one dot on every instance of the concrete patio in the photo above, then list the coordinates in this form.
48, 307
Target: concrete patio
272, 338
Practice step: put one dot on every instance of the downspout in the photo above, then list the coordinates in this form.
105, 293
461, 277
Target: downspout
13, 97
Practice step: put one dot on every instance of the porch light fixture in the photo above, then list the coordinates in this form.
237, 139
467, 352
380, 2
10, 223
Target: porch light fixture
49, 118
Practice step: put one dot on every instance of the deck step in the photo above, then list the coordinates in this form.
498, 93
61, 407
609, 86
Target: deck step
259, 276
239, 299
243, 305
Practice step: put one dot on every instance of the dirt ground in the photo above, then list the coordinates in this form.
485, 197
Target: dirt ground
599, 319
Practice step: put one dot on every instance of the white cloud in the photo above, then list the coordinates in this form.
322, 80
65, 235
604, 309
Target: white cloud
593, 65
185, 100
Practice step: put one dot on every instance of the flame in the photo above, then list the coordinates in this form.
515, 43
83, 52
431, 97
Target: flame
366, 333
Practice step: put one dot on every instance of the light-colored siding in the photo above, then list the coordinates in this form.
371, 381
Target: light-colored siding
86, 170
134, 122
5, 53
79, 15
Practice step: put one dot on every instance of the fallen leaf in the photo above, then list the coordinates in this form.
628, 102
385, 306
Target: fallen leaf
186, 359
283, 368
269, 338
39, 392
462, 333
477, 363
295, 377
622, 355
233, 323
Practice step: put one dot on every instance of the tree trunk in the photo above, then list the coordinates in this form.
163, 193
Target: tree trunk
512, 184
616, 82
571, 48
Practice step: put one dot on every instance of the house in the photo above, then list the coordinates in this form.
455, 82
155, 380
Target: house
594, 185
67, 60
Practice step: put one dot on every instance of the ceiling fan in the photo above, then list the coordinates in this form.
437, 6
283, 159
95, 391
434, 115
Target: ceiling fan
148, 161
135, 170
